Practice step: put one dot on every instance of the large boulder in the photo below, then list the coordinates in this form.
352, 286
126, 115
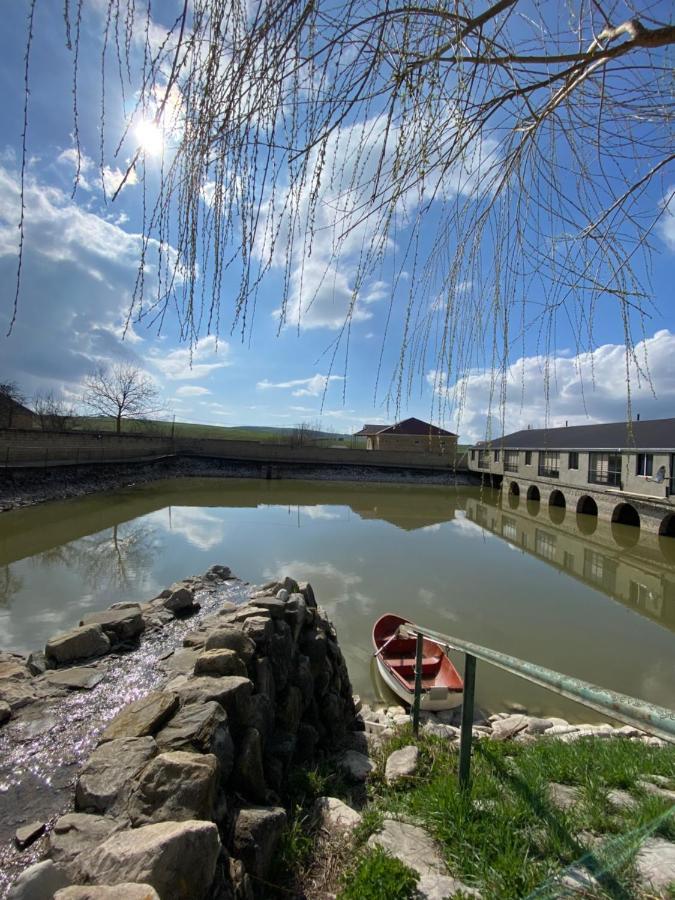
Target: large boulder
220, 662
257, 831
104, 784
201, 728
85, 642
180, 601
76, 833
125, 891
249, 775
174, 787
5, 712
38, 882
335, 817
229, 637
401, 763
231, 691
142, 717
411, 844
76, 678
118, 624
177, 858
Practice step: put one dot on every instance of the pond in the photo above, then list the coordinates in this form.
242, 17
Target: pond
584, 598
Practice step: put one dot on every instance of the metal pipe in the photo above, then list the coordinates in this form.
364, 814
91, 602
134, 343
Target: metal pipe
467, 721
657, 720
419, 647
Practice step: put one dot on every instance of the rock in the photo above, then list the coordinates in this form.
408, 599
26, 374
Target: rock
78, 678
291, 585
36, 662
274, 606
411, 844
38, 882
229, 637
401, 764
219, 662
282, 594
503, 729
256, 835
516, 708
627, 731
356, 700
85, 642
202, 728
182, 662
177, 858
119, 624
231, 691
289, 710
305, 588
621, 800
28, 834
142, 717
538, 726
105, 780
259, 629
17, 693
656, 790
441, 887
580, 881
334, 816
560, 730
655, 863
563, 796
439, 730
249, 775
126, 891
180, 601
174, 787
5, 712
356, 766
76, 833
223, 572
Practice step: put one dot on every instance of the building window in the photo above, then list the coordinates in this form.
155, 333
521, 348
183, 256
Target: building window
645, 464
604, 468
473, 455
510, 460
544, 544
483, 459
528, 457
496, 455
549, 463
573, 460
600, 570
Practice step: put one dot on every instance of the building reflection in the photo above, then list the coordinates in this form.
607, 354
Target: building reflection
635, 568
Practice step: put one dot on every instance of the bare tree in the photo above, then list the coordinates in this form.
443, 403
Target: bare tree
53, 412
10, 398
122, 391
511, 155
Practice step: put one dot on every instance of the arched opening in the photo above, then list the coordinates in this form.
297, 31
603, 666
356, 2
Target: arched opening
514, 489
587, 515
557, 498
667, 526
533, 493
514, 501
625, 514
626, 525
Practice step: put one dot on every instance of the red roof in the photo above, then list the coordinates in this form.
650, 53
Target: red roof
406, 426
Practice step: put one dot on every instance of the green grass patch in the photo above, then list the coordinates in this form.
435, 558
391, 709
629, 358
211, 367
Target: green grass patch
378, 876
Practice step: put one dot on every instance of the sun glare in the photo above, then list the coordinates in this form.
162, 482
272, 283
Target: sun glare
150, 137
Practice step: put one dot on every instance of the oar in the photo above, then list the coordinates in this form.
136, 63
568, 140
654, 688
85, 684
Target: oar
388, 641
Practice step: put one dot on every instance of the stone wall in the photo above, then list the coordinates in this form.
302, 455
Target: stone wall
181, 797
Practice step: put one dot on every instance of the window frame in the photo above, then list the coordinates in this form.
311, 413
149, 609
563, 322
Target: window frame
528, 457
573, 454
549, 464
644, 465
609, 474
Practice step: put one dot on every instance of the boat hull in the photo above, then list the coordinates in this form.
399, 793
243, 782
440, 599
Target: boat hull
452, 700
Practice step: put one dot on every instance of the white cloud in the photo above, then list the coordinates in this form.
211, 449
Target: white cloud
667, 221
186, 364
314, 386
583, 389
192, 390
91, 177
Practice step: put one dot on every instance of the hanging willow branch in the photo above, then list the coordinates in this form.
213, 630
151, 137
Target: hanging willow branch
495, 167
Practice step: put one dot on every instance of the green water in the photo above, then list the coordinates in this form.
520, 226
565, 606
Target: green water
578, 596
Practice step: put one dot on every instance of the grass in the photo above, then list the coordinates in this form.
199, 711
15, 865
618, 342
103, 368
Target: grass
504, 836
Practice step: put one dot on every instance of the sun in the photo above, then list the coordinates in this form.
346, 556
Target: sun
150, 137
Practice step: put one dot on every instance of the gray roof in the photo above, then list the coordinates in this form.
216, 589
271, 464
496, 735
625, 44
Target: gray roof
650, 434
410, 426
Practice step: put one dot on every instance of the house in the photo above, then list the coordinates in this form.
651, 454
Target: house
627, 469
14, 414
411, 435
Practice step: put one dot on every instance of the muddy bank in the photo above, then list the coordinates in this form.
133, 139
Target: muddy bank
30, 486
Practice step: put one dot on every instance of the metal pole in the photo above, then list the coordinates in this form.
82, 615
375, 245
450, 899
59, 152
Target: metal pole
418, 684
467, 721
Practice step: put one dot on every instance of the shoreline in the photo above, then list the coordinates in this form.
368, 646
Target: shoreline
26, 487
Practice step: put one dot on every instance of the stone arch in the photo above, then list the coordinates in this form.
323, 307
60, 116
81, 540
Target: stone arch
514, 488
587, 506
557, 498
533, 493
626, 514
667, 526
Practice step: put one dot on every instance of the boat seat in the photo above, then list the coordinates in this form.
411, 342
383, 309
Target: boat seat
406, 664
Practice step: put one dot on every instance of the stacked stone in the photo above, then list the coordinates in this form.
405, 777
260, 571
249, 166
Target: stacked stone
182, 792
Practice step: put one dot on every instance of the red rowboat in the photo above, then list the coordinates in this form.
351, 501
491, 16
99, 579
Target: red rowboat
394, 645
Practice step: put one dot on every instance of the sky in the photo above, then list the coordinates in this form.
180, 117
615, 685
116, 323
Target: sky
80, 265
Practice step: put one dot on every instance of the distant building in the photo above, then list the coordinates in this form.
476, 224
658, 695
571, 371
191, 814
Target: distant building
411, 435
14, 414
623, 468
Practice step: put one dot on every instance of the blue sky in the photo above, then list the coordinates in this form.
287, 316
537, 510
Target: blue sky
80, 265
